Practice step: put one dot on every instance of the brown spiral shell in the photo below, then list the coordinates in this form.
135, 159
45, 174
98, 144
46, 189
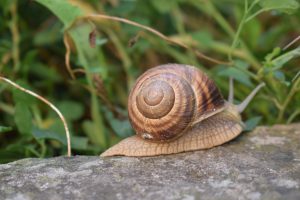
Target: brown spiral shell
167, 99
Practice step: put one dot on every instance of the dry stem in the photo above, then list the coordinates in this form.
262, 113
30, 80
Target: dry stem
67, 55
46, 102
93, 17
155, 32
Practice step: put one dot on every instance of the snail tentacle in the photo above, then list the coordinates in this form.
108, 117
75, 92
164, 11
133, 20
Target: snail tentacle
231, 90
241, 107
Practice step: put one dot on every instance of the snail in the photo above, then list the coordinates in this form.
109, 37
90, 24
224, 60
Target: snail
177, 108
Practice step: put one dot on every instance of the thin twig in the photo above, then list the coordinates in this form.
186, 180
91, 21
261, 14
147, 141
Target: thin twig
241, 107
291, 43
46, 102
296, 76
231, 90
80, 71
155, 32
67, 55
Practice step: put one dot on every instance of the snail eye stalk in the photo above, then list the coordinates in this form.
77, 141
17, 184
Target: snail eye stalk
241, 107
231, 91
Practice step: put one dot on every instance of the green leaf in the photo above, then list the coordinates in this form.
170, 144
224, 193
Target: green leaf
46, 73
80, 143
48, 36
91, 57
278, 62
56, 131
164, 6
237, 74
121, 127
101, 41
252, 123
279, 75
9, 155
4, 129
241, 64
66, 12
5, 5
276, 51
287, 6
92, 131
124, 8
204, 38
71, 109
20, 96
23, 118
88, 57
251, 32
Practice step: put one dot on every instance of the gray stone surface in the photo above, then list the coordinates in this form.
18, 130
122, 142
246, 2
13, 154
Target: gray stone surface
264, 164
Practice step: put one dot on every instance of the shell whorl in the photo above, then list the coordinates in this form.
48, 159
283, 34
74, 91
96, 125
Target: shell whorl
166, 99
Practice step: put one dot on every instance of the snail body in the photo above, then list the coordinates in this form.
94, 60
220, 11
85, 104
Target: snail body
177, 108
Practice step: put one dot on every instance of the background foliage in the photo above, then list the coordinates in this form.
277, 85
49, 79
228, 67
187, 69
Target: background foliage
249, 34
